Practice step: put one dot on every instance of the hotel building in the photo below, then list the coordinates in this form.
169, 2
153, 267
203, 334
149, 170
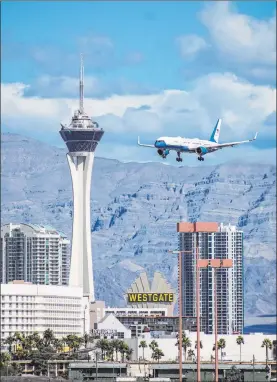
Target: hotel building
214, 242
34, 253
29, 308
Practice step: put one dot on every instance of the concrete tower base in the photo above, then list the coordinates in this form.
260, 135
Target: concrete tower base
81, 274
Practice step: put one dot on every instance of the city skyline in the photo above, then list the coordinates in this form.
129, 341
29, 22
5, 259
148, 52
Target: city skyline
184, 71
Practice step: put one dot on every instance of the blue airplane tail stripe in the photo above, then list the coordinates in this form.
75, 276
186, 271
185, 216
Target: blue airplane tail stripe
215, 134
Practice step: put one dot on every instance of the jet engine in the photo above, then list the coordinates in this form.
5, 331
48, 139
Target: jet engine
201, 150
163, 153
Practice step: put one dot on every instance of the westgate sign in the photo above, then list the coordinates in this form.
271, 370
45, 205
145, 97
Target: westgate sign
150, 297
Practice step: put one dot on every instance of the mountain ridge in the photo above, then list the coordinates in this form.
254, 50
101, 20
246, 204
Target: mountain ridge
134, 220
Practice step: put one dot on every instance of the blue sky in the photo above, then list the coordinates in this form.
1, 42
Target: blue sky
151, 68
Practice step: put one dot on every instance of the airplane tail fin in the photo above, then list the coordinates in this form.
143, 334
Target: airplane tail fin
216, 131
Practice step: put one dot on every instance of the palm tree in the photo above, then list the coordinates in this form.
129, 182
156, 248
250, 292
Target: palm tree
36, 340
221, 344
201, 345
153, 345
124, 348
58, 345
143, 345
110, 351
18, 338
86, 340
48, 337
191, 353
103, 345
129, 354
186, 343
116, 346
157, 354
267, 344
240, 341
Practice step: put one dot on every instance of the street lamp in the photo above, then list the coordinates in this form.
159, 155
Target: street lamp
84, 319
215, 263
179, 253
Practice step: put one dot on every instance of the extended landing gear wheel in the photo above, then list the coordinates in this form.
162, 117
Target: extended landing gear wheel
179, 159
163, 156
200, 158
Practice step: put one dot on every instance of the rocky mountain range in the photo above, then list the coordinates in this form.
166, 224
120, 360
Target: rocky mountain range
135, 208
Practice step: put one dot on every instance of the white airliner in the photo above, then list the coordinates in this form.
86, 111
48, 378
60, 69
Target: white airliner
192, 146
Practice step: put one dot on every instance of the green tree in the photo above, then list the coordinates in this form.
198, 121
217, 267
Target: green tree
221, 344
129, 354
5, 358
48, 337
103, 345
190, 353
267, 344
10, 341
116, 343
186, 343
36, 340
86, 339
143, 345
39, 359
73, 342
110, 351
201, 345
153, 345
157, 354
123, 349
240, 341
57, 345
234, 375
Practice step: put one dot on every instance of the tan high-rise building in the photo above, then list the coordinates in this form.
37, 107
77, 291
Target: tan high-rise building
214, 242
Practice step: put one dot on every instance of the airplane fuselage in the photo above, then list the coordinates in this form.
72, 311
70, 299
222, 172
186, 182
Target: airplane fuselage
184, 145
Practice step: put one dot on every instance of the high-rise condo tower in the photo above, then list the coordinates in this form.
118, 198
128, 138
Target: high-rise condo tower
81, 137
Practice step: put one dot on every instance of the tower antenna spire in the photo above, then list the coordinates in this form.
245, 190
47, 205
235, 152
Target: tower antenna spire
81, 84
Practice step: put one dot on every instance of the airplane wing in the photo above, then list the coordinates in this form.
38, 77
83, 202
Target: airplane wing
141, 144
231, 144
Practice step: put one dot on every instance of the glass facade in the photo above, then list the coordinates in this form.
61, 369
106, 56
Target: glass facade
225, 244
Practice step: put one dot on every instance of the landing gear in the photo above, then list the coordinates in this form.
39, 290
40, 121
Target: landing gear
164, 156
200, 158
179, 159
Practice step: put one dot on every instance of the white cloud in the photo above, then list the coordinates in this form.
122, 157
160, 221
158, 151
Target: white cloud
244, 107
65, 86
190, 45
240, 37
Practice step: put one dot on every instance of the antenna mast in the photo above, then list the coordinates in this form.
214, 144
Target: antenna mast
82, 85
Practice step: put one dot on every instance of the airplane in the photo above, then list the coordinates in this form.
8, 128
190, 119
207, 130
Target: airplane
192, 146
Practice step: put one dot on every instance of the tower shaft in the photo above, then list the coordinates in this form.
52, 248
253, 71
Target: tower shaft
81, 274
